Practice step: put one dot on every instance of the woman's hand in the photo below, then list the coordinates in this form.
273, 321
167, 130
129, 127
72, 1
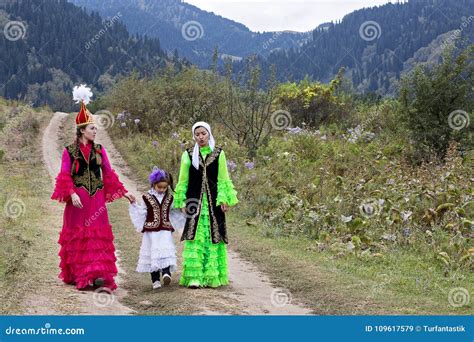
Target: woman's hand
224, 207
130, 198
76, 201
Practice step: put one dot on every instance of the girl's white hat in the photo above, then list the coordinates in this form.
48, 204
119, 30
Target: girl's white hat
212, 142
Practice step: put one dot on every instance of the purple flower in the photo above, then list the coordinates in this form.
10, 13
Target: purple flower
182, 145
231, 165
154, 143
121, 116
250, 165
175, 135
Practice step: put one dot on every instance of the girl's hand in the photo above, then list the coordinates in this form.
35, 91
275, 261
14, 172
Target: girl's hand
76, 201
130, 198
224, 207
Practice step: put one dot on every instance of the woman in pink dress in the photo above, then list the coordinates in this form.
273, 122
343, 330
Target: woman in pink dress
85, 183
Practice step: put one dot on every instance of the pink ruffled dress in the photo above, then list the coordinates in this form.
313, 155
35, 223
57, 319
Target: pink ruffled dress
87, 250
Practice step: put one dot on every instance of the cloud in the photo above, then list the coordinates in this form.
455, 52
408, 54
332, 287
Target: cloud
278, 15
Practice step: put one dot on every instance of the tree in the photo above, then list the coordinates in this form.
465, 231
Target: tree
247, 109
438, 103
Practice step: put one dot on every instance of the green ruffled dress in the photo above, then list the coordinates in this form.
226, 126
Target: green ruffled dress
205, 263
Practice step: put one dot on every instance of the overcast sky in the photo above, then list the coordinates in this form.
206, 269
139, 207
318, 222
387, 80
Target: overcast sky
278, 15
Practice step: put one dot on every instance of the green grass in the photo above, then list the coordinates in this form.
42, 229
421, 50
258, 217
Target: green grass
402, 280
24, 201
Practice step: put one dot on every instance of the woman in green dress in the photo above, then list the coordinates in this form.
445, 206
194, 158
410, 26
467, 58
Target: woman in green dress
205, 193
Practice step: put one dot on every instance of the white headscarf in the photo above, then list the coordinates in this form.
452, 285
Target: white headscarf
212, 143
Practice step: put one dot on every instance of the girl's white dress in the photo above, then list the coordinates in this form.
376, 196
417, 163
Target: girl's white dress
157, 250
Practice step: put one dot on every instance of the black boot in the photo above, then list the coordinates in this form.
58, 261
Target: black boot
155, 276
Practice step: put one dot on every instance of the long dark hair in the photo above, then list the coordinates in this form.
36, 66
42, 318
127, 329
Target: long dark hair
170, 180
77, 150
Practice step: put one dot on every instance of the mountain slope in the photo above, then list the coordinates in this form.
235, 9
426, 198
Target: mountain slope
193, 32
374, 44
51, 45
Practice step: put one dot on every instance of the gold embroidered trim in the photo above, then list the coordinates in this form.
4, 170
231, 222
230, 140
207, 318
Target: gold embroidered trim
88, 180
215, 227
205, 189
156, 214
156, 211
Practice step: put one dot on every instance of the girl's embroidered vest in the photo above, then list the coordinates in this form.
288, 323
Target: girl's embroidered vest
157, 214
86, 174
203, 182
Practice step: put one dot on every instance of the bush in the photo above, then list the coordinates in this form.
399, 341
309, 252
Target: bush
313, 103
438, 102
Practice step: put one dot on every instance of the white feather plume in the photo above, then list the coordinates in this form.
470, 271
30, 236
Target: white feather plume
82, 93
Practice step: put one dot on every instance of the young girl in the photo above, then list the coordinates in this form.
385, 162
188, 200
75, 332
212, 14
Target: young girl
156, 220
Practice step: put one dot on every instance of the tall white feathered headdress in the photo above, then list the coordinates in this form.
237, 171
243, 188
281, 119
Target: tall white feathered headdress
82, 94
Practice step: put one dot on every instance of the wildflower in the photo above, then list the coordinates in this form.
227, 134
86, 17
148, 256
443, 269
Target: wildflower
231, 165
250, 165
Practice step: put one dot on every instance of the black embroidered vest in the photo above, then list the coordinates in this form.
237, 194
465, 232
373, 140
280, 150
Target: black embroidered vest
158, 214
203, 182
87, 174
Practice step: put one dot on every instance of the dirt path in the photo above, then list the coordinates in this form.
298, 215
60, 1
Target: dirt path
250, 290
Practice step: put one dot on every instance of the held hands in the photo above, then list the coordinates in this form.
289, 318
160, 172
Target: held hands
130, 198
76, 201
